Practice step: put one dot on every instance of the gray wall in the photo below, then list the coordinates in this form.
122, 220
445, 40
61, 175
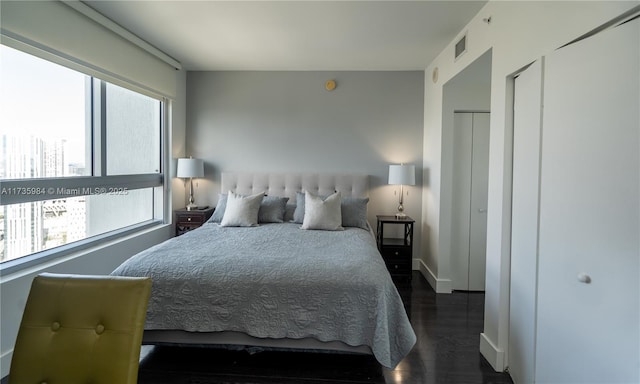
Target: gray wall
288, 122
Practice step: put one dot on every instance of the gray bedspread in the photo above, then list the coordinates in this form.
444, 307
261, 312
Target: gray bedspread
276, 281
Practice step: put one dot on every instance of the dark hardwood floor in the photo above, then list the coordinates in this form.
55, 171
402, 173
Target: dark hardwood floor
447, 326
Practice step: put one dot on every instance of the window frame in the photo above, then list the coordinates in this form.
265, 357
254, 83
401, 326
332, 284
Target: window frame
74, 186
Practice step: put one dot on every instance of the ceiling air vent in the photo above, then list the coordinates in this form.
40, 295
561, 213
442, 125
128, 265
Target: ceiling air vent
461, 46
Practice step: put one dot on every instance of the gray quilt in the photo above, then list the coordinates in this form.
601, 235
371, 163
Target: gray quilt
276, 281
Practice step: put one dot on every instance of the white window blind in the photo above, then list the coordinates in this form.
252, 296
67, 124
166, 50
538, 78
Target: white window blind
57, 32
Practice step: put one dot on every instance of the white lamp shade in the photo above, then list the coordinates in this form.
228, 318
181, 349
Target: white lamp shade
403, 174
190, 168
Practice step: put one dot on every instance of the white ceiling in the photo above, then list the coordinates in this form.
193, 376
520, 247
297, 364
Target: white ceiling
295, 35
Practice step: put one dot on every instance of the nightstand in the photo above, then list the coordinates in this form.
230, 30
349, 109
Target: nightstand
397, 252
189, 220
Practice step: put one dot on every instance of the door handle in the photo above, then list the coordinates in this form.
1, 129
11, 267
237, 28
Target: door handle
482, 210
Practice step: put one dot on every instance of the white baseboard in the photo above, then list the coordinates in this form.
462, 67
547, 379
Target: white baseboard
438, 285
493, 354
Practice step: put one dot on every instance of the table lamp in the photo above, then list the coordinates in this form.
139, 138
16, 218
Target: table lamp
402, 174
190, 168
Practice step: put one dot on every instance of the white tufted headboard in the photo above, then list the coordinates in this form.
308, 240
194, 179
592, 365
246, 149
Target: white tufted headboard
287, 184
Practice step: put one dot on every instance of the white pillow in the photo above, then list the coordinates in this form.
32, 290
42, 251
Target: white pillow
241, 211
322, 214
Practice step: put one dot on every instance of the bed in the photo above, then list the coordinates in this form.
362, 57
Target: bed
276, 285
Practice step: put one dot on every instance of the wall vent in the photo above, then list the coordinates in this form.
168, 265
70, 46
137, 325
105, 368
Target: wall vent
461, 46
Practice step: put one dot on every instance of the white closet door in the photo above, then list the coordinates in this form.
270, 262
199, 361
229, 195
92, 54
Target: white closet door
462, 144
524, 223
588, 332
479, 191
469, 211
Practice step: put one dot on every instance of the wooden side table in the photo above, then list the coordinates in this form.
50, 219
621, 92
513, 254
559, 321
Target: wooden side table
190, 220
396, 252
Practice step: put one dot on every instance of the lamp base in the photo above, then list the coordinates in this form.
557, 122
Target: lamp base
191, 207
401, 215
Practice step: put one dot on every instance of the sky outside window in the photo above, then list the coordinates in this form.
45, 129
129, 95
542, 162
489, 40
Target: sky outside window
43, 100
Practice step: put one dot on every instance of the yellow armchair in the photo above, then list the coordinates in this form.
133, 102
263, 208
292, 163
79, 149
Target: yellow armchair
81, 329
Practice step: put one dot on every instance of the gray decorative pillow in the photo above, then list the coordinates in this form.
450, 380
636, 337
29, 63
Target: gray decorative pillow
322, 214
272, 209
354, 212
298, 214
241, 211
220, 208
269, 212
288, 213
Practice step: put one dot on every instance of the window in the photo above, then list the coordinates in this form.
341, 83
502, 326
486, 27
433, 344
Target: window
43, 118
79, 157
129, 112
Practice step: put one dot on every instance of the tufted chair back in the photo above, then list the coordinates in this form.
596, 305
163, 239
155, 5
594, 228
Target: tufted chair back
81, 329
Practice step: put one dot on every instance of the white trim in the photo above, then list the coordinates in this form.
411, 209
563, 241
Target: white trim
62, 187
46, 265
120, 31
438, 285
494, 355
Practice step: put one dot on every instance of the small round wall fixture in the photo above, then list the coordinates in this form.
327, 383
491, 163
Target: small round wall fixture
434, 75
330, 85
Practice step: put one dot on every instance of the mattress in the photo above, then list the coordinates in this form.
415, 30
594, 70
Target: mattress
276, 281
